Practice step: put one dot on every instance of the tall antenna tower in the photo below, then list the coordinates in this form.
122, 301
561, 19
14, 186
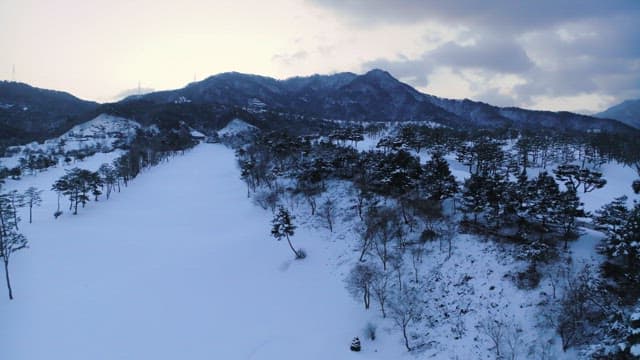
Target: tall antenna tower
13, 73
139, 89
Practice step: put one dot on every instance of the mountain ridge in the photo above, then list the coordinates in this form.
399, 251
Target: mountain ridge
373, 96
627, 112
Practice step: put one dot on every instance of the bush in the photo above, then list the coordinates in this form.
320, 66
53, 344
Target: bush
301, 254
370, 331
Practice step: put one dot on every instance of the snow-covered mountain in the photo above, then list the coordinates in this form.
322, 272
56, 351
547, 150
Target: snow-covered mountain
627, 112
374, 96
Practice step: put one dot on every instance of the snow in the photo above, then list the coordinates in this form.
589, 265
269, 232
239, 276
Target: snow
619, 179
234, 127
196, 134
102, 131
635, 350
178, 265
181, 265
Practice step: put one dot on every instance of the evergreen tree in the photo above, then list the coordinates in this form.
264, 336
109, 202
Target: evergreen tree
439, 182
496, 195
78, 184
623, 251
544, 200
474, 197
612, 216
284, 228
569, 208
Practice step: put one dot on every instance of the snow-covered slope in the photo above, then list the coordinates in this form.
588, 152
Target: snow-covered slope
234, 127
102, 127
102, 133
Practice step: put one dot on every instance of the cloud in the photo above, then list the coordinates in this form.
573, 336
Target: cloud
518, 16
558, 49
494, 55
290, 58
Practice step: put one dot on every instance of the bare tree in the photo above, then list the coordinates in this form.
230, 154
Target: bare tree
383, 225
448, 233
406, 309
417, 252
328, 212
496, 330
359, 282
32, 198
380, 287
16, 200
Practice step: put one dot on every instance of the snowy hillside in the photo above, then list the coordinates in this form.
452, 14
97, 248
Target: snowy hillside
102, 134
181, 264
234, 127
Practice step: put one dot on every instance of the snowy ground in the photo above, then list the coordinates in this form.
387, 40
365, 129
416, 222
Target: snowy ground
180, 265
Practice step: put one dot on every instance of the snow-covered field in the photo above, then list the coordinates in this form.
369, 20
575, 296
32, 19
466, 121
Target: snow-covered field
180, 265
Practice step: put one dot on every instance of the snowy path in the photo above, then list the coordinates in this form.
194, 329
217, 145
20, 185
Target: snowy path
180, 265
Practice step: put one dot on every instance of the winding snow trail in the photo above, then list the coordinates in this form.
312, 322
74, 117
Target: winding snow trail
180, 265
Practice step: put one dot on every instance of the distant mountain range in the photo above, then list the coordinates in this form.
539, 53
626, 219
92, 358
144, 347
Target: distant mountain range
627, 112
374, 96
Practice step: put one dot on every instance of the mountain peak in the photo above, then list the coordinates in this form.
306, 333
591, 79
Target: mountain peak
379, 74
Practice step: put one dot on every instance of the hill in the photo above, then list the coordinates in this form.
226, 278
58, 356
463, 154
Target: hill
28, 113
627, 112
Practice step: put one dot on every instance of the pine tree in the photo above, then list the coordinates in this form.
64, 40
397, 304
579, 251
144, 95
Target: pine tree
623, 251
612, 216
284, 228
544, 199
569, 208
439, 182
78, 184
474, 199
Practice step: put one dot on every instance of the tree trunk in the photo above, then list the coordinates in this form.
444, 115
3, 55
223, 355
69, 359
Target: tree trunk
6, 274
30, 213
367, 298
292, 248
406, 338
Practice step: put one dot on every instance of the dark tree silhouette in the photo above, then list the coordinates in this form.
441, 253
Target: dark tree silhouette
32, 198
10, 239
284, 228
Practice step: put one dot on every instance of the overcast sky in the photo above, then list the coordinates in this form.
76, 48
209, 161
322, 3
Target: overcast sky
581, 55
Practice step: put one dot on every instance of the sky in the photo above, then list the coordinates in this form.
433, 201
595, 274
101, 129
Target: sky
576, 55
